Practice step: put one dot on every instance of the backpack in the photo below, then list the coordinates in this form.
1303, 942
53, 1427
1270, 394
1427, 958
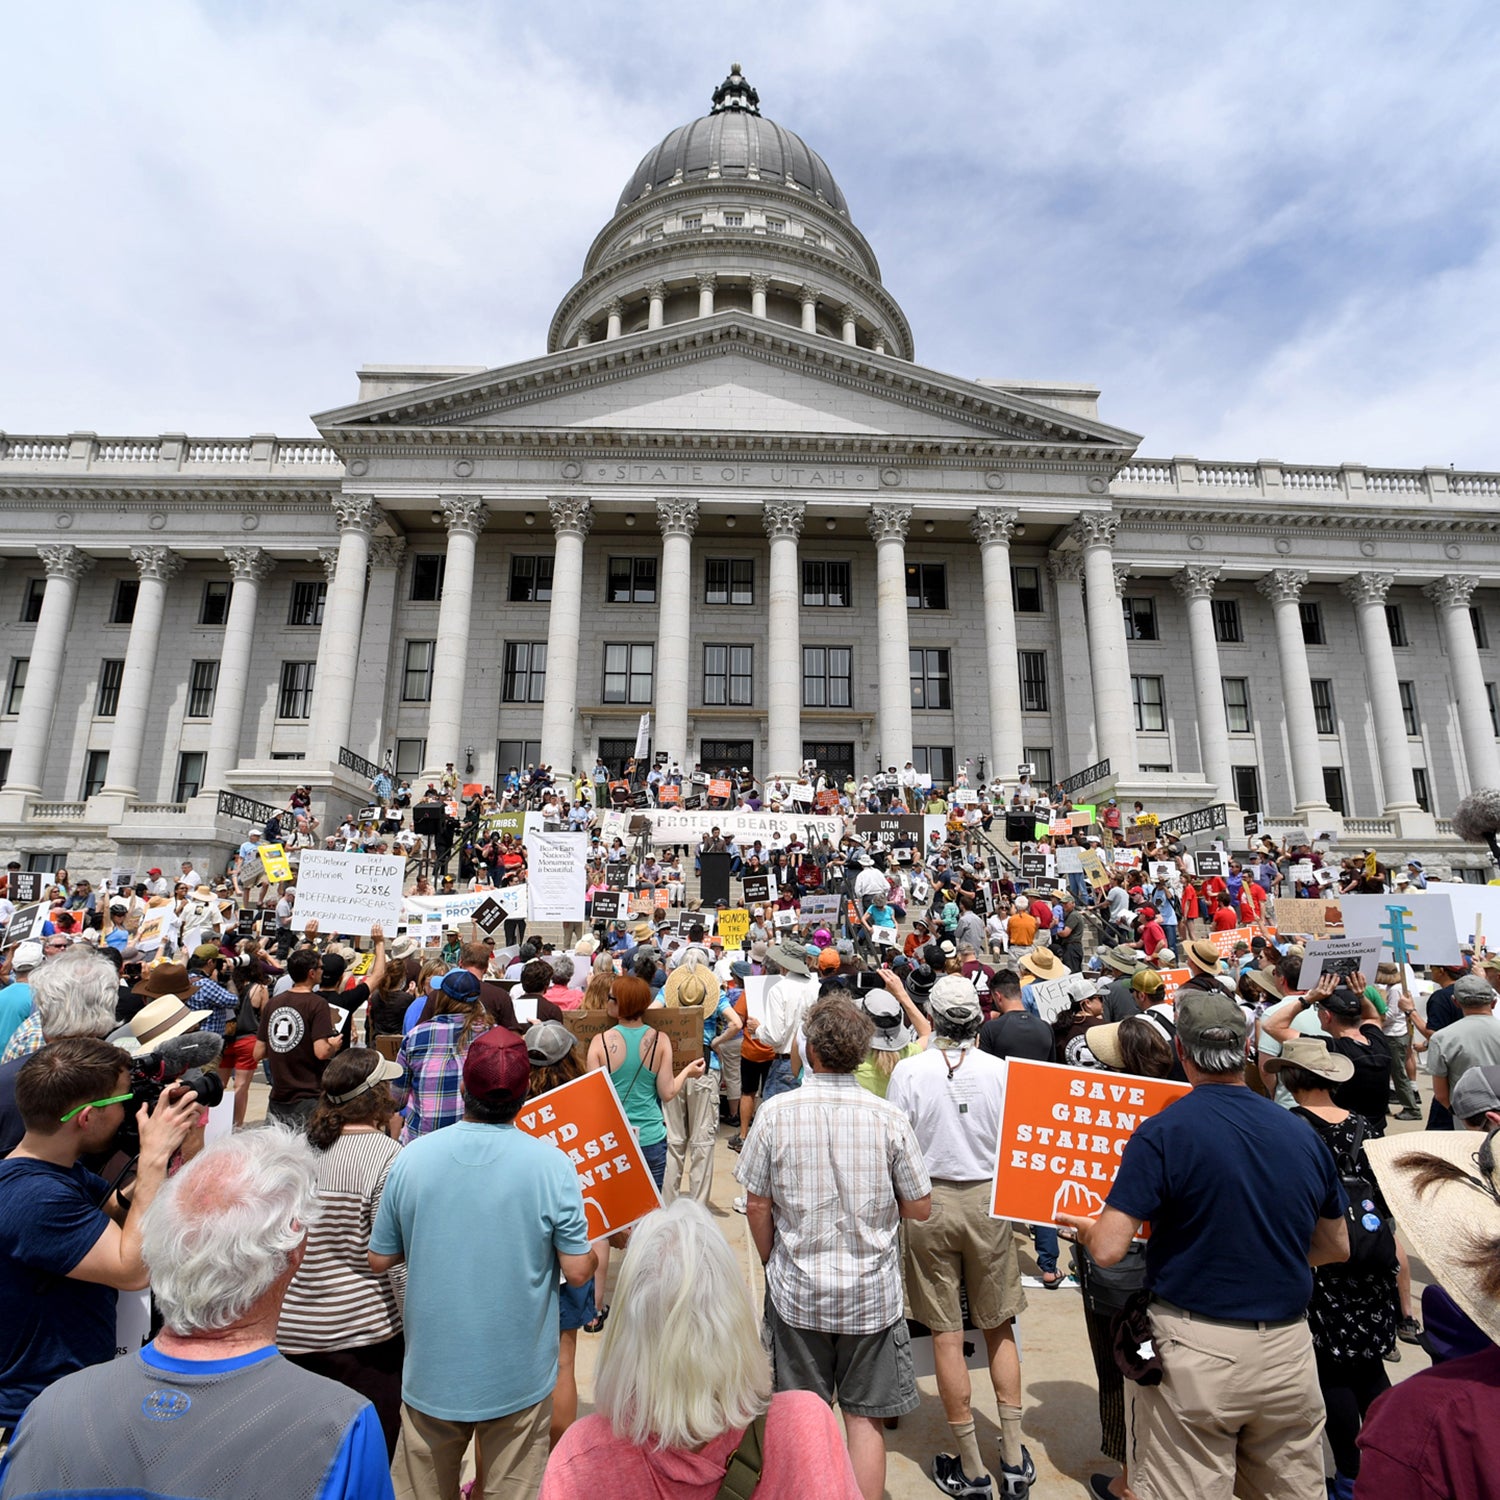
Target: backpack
742, 1473
1372, 1241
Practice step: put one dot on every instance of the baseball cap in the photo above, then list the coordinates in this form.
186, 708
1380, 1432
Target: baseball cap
154, 870
205, 951
459, 984
27, 956
828, 961
954, 1000
1472, 990
1342, 1002
548, 1042
497, 1067
1199, 1013
1476, 1092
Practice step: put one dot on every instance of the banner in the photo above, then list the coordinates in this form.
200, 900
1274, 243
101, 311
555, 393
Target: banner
671, 826
349, 893
585, 1121
556, 876
1418, 928
274, 862
1062, 1131
642, 736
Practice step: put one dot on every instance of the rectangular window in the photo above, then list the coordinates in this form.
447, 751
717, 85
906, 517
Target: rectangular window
95, 772
308, 598
5, 776
1237, 705
826, 676
935, 761
734, 221
1481, 632
1039, 756
825, 585
1227, 621
721, 755
524, 679
1395, 624
427, 572
1323, 715
1421, 788
728, 676
295, 700
1150, 710
775, 226
107, 701
627, 673
1033, 667
409, 757
31, 601
15, 688
632, 580
416, 672
1026, 590
692, 221
530, 580
729, 580
518, 754
122, 609
1333, 788
926, 586
1140, 617
190, 767
1246, 788
1494, 697
1310, 613
213, 609
1408, 691
929, 680
203, 684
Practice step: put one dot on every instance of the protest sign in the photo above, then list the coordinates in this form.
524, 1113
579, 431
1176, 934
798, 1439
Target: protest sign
758, 889
1053, 996
349, 893
1126, 859
1209, 862
584, 1120
734, 926
756, 986
784, 919
1069, 861
683, 1025
604, 906
1094, 869
802, 792
965, 796
827, 802
719, 787
669, 794
885, 937
1342, 956
151, 932
1084, 814
1061, 1134
1418, 928
671, 826
1173, 979
488, 915
1163, 871
824, 907
28, 921
1224, 939
1309, 917
688, 920
556, 876
1035, 867
1476, 914
246, 922
274, 862
28, 885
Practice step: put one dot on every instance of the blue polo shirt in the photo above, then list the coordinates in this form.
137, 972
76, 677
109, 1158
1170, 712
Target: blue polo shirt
1233, 1186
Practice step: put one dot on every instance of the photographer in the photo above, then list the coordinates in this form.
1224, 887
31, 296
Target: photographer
64, 1250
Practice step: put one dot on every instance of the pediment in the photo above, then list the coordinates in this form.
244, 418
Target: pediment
725, 374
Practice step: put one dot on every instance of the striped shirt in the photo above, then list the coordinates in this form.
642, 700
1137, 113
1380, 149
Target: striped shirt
834, 1160
335, 1300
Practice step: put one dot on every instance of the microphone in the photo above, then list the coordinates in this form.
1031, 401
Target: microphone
1477, 819
193, 1049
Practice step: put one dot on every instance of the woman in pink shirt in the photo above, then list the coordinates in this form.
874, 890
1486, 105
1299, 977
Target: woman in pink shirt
681, 1377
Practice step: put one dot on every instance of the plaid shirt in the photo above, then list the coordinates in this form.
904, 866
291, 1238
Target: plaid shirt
833, 1159
24, 1040
220, 1004
434, 1069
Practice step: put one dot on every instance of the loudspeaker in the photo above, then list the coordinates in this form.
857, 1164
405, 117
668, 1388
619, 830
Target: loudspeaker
427, 819
1019, 827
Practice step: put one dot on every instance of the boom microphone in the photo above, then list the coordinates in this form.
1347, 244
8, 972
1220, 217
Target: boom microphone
193, 1049
1477, 819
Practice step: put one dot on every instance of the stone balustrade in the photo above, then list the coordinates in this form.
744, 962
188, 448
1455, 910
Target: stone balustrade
1143, 477
86, 452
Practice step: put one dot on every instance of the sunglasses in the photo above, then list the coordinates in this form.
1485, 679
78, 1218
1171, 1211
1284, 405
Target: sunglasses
96, 1104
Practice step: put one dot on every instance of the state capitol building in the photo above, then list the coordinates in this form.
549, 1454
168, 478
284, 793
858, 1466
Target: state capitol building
728, 493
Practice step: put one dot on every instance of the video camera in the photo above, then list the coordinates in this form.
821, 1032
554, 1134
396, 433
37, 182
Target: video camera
186, 1061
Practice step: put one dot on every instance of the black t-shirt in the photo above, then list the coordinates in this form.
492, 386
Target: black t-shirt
1367, 1092
1018, 1033
289, 1025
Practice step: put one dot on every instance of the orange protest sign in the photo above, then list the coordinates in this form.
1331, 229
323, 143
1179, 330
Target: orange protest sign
1062, 1132
668, 795
827, 801
1174, 979
718, 788
1225, 939
584, 1120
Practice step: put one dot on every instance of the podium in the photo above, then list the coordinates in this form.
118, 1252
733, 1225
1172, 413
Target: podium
713, 879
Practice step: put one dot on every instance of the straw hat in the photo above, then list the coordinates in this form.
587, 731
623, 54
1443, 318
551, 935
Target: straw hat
697, 985
163, 1018
1311, 1054
1104, 1043
1202, 954
1452, 1225
1043, 963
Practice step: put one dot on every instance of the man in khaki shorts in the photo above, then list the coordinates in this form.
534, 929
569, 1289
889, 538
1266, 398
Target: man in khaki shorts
952, 1095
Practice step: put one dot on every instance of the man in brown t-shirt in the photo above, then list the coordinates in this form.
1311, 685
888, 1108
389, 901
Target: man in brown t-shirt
298, 1036
475, 958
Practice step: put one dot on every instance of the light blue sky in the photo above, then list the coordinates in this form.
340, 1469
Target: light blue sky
1265, 231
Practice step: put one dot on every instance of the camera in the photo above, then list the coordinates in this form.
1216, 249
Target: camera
183, 1061
867, 980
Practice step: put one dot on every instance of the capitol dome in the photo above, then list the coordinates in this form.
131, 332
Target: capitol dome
734, 140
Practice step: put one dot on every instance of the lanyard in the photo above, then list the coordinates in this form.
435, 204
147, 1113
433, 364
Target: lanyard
963, 1053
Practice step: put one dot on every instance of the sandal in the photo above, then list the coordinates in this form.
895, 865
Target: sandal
1052, 1280
596, 1323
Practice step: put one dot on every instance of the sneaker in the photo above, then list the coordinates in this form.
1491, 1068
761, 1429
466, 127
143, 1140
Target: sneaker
740, 1205
1099, 1487
1408, 1114
1409, 1331
736, 1141
949, 1477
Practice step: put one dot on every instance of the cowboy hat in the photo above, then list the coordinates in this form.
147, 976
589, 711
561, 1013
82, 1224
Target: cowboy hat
165, 979
1311, 1054
1124, 959
163, 1018
692, 985
1043, 963
785, 958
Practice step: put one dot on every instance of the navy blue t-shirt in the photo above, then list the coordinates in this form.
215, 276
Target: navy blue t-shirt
1233, 1186
49, 1325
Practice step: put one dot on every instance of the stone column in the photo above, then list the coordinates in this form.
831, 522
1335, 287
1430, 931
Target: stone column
707, 281
338, 644
1283, 588
249, 567
1074, 720
1196, 585
65, 565
759, 285
678, 520
1367, 591
888, 524
783, 522
465, 517
848, 318
655, 311
809, 299
572, 516
377, 680
877, 341
1451, 596
1114, 715
614, 310
156, 565
992, 527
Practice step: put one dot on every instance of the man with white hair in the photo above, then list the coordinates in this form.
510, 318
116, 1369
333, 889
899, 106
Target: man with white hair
209, 1409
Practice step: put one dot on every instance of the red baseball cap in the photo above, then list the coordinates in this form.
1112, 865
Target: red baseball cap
153, 871
497, 1069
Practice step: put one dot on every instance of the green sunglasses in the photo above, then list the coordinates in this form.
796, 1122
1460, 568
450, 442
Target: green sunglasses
96, 1104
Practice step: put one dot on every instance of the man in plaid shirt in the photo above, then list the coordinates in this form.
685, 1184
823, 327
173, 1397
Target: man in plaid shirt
220, 1004
829, 1171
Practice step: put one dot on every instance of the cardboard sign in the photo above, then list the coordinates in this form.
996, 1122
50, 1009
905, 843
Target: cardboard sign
488, 915
585, 1120
1342, 956
734, 926
1061, 1133
682, 1027
1094, 869
604, 906
274, 862
1309, 917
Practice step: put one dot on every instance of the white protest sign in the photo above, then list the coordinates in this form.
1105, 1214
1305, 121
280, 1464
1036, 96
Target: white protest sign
1343, 956
349, 893
802, 792
1476, 914
1053, 996
756, 986
557, 876
1069, 860
884, 937
1418, 928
